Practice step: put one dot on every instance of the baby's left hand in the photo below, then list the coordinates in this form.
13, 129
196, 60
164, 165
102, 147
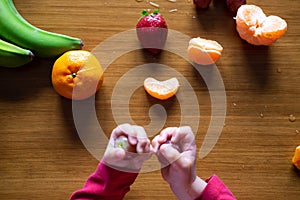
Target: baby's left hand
129, 158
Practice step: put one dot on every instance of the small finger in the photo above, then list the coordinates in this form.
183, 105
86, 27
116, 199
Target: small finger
166, 134
183, 132
155, 145
184, 138
132, 140
142, 145
130, 132
123, 129
142, 140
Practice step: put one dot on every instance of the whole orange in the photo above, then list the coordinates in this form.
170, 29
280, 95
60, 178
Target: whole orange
77, 75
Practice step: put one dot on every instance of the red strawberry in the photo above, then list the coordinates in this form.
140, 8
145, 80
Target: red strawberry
152, 31
202, 3
233, 5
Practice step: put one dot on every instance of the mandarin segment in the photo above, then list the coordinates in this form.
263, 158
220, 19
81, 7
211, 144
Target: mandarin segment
274, 27
161, 89
258, 29
77, 75
296, 158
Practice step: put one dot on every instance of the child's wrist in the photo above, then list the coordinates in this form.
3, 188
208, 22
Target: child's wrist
196, 188
189, 192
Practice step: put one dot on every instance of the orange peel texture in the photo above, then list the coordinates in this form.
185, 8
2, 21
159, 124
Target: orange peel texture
77, 75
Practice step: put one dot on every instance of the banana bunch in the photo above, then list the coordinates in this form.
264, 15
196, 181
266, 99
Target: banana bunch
21, 40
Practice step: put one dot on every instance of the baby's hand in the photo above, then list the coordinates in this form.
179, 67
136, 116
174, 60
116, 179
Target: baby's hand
176, 150
174, 143
128, 148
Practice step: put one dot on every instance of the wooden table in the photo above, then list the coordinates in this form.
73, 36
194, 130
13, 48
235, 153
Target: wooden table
42, 155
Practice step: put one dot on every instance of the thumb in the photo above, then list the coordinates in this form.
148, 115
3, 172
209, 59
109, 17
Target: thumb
169, 152
113, 155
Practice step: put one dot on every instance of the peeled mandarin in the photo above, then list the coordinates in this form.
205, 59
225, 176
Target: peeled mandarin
256, 28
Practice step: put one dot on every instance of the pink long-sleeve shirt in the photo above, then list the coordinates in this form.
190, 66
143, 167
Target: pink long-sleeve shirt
107, 183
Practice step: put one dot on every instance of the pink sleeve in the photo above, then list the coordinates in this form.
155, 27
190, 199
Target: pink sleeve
216, 190
105, 183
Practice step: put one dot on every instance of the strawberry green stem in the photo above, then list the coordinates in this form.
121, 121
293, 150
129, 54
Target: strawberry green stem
145, 13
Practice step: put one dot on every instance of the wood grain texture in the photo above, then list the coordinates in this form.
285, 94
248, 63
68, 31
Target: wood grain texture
41, 155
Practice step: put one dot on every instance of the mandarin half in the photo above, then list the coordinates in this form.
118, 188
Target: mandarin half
203, 51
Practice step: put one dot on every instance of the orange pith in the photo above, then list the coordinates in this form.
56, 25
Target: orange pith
161, 89
204, 51
77, 75
296, 158
256, 28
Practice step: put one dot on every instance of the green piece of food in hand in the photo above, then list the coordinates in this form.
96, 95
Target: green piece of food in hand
122, 142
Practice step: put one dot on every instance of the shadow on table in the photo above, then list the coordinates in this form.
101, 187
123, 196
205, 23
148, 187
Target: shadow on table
257, 60
296, 170
25, 81
216, 18
66, 107
84, 128
160, 112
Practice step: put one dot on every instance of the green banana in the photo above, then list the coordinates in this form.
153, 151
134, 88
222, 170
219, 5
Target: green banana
13, 56
15, 29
